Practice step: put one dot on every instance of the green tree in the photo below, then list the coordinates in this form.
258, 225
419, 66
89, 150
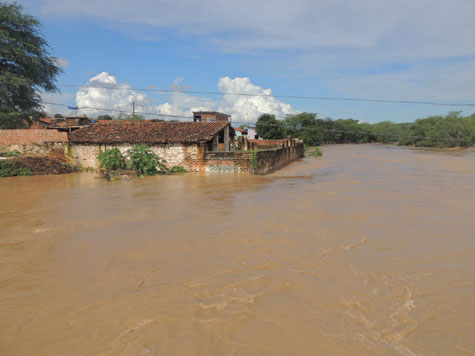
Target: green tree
26, 66
125, 116
268, 127
304, 127
104, 117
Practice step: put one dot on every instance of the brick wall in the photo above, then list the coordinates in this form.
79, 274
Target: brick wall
32, 141
31, 137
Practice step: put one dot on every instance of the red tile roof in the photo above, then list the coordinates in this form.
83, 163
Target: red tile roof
240, 130
148, 132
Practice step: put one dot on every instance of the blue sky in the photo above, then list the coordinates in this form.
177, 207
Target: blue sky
367, 49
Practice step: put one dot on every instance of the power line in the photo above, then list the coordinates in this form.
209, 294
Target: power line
119, 111
275, 96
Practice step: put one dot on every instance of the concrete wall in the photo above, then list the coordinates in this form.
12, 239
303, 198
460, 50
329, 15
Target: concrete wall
235, 162
32, 141
254, 162
188, 156
271, 160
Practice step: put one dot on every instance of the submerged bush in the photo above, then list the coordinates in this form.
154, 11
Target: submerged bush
317, 152
12, 169
112, 159
177, 169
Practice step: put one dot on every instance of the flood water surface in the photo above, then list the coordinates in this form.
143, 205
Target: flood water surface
369, 250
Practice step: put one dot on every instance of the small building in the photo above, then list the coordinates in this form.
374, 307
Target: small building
252, 133
179, 143
240, 132
41, 123
210, 116
67, 124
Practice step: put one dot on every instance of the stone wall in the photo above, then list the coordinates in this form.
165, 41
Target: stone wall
32, 141
188, 156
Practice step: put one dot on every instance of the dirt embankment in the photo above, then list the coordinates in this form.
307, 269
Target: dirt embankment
42, 165
53, 163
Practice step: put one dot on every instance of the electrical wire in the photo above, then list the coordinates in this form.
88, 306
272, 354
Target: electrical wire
273, 125
275, 95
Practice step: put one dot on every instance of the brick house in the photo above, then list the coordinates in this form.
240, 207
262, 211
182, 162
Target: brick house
179, 143
210, 116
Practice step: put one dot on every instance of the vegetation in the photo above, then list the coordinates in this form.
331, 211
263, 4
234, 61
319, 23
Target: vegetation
254, 164
139, 158
26, 66
315, 152
145, 162
125, 116
112, 159
104, 117
13, 153
435, 131
10, 168
268, 127
177, 169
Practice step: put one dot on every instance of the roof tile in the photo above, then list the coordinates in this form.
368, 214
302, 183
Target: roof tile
148, 132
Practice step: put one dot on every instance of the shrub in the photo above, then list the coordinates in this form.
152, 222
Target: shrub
11, 169
145, 162
317, 152
13, 153
177, 169
112, 159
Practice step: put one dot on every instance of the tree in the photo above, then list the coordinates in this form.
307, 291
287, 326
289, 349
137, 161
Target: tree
104, 117
124, 116
304, 127
268, 127
26, 66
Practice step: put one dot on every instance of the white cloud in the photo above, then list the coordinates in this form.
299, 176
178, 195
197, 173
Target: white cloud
95, 96
244, 107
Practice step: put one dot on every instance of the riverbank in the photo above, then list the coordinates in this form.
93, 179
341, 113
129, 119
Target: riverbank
28, 165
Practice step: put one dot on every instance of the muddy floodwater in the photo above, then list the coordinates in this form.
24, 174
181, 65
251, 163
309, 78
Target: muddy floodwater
369, 250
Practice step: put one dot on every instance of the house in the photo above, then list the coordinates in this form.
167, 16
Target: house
67, 124
252, 133
179, 143
42, 123
240, 132
210, 116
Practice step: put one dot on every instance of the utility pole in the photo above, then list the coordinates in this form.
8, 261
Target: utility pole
133, 110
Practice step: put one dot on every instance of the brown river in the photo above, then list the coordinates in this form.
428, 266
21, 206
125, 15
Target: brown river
369, 250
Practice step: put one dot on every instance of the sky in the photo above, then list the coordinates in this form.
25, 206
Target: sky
368, 49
